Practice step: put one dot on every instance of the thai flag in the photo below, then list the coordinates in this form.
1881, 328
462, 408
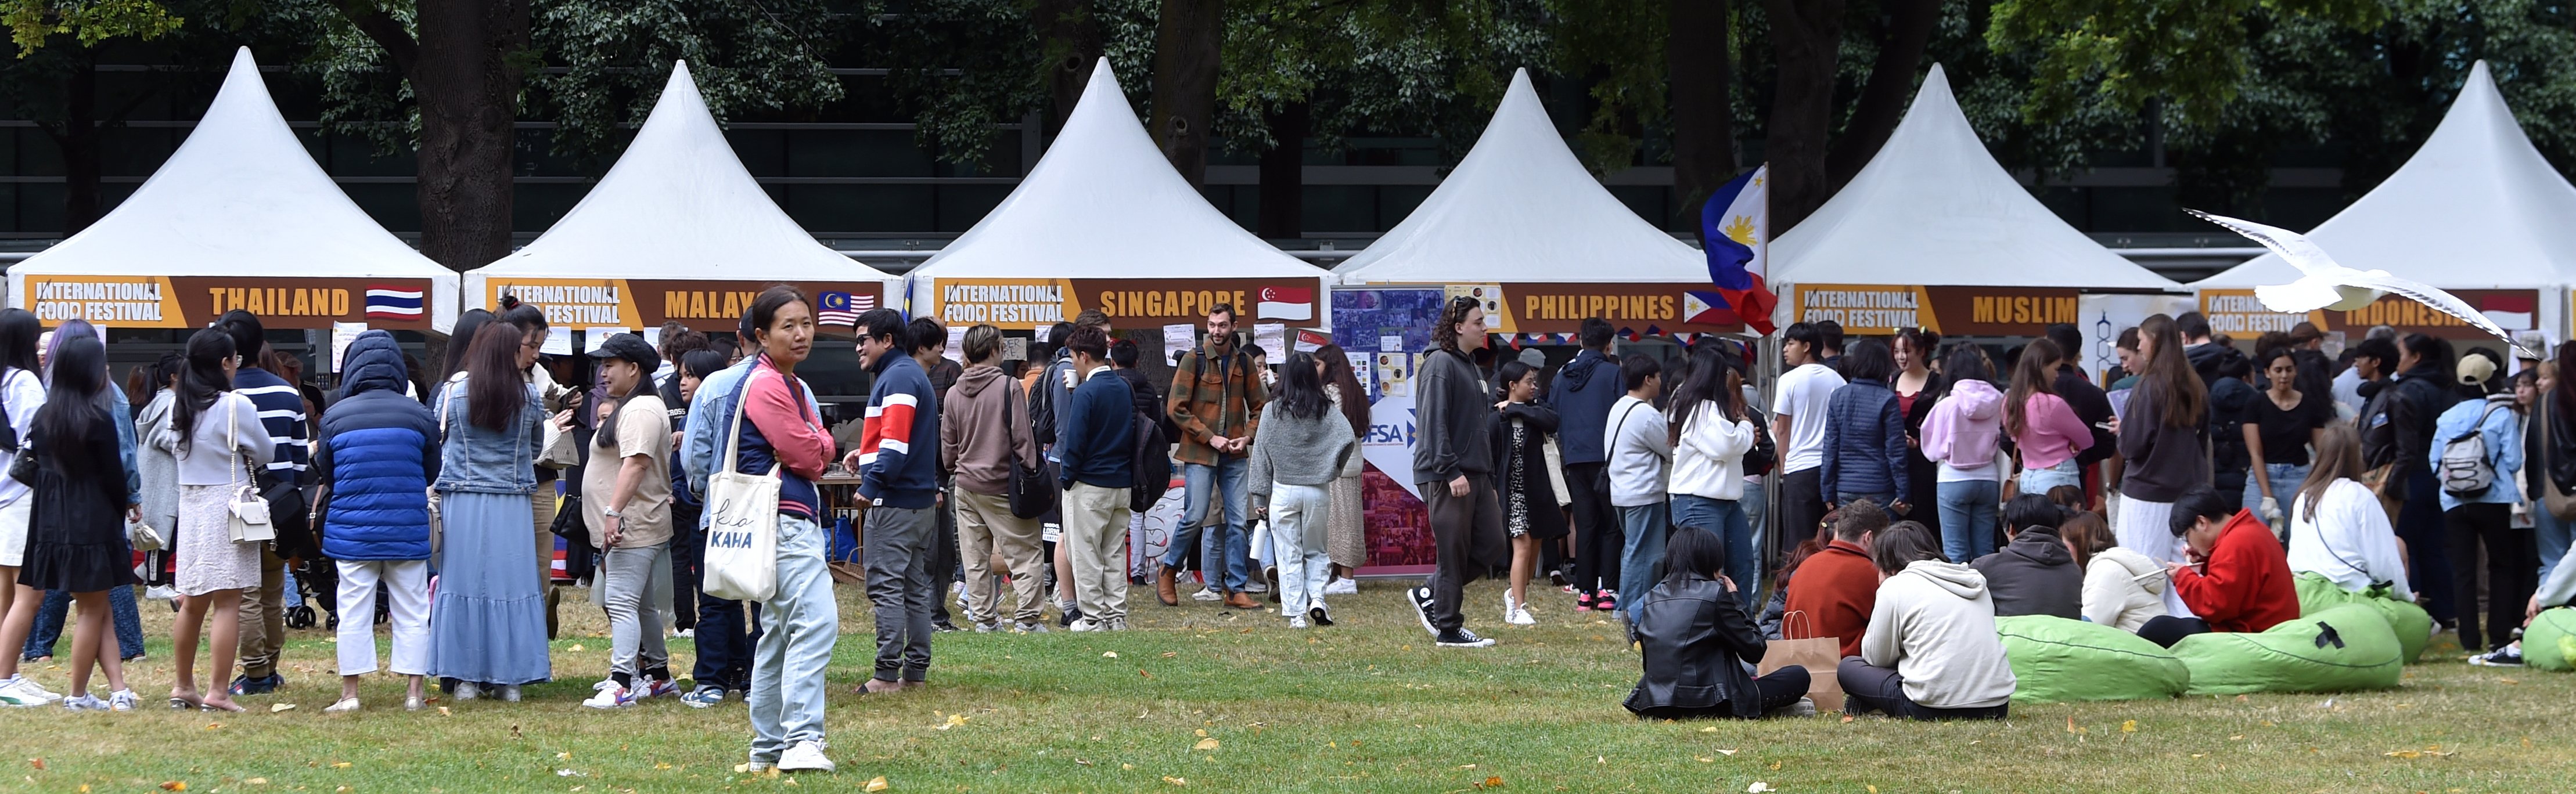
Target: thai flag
1286, 303
392, 303
1735, 230
841, 308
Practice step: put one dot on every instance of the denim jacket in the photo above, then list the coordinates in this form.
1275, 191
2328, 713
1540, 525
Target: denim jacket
482, 460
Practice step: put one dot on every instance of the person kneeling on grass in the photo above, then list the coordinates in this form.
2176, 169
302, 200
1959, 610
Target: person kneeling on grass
2238, 578
1697, 641
2559, 590
1931, 652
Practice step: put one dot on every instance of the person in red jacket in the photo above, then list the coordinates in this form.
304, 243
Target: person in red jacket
2238, 579
1838, 587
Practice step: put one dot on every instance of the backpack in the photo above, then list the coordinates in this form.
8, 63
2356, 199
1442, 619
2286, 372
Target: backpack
2378, 429
1152, 459
2465, 471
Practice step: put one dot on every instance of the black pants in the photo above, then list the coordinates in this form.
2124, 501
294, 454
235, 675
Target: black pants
727, 631
1801, 509
2513, 571
1466, 532
1597, 536
943, 558
2165, 630
688, 552
1867, 688
2428, 568
1773, 692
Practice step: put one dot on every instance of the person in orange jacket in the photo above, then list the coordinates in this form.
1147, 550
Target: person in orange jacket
1838, 586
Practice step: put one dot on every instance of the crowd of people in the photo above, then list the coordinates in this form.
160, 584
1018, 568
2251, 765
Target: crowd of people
1922, 492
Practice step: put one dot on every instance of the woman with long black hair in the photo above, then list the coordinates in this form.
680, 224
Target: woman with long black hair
129, 624
1919, 386
22, 394
487, 619
1710, 435
1531, 510
76, 532
1963, 435
216, 438
1346, 538
2164, 448
1302, 446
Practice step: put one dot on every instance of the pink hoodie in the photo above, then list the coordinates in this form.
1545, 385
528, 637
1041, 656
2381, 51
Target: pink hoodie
1965, 427
2050, 432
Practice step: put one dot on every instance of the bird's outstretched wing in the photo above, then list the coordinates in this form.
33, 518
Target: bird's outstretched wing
2292, 246
2298, 297
2441, 301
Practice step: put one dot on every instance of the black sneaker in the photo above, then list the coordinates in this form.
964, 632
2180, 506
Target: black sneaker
2508, 656
246, 685
1421, 597
944, 627
1462, 638
1067, 617
1319, 615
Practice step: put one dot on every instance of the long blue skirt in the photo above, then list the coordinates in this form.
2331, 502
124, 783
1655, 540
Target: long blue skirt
488, 621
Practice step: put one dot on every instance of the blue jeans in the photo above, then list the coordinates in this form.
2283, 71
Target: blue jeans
2038, 481
1646, 527
2552, 536
120, 604
1224, 540
2285, 478
1757, 505
1968, 518
1727, 519
798, 627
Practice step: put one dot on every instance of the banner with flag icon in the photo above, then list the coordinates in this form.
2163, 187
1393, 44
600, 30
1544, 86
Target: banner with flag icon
1735, 231
840, 308
393, 302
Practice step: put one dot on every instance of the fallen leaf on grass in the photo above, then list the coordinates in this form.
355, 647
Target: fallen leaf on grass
1495, 781
257, 781
443, 712
174, 785
1725, 752
1141, 671
954, 720
1169, 654
214, 726
1758, 787
339, 765
1775, 766
281, 707
2237, 737
1175, 781
1708, 730
1109, 654
2507, 681
2129, 726
1204, 744
1127, 766
1084, 762
576, 648
877, 783
1705, 759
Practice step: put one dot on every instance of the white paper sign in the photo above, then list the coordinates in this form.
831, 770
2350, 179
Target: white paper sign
1015, 349
341, 335
558, 342
956, 350
1391, 344
1389, 444
1273, 339
1179, 338
653, 337
596, 337
2101, 317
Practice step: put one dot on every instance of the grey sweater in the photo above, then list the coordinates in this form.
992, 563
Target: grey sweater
1298, 451
1453, 416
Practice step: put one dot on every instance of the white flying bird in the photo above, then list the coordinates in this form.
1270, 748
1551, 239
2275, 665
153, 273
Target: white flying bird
2326, 284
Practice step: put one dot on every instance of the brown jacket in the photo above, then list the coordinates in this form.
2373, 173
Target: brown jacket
1215, 396
976, 439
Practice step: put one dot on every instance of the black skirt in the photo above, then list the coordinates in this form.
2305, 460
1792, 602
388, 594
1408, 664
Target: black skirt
76, 525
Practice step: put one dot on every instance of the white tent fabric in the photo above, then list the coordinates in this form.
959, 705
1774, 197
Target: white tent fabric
1933, 207
240, 197
1104, 203
1521, 208
2476, 207
677, 205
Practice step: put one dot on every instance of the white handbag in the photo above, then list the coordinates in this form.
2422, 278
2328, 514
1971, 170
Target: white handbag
741, 561
142, 537
437, 523
247, 516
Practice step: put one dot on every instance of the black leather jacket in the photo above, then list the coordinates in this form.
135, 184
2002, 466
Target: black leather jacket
1697, 640
2555, 455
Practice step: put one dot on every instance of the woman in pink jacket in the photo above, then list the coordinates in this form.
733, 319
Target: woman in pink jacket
2042, 426
1963, 436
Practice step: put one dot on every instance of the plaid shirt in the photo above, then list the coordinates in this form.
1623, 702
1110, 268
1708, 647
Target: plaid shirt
1209, 400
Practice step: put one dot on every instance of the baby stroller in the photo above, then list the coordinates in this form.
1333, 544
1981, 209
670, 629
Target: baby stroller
311, 582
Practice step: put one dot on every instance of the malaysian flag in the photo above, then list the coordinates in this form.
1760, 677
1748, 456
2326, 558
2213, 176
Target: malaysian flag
841, 308
392, 303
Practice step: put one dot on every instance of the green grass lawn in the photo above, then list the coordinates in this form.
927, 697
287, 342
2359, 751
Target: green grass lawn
1198, 699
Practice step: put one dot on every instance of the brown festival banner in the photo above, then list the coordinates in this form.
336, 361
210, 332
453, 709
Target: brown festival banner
1882, 309
195, 301
2238, 313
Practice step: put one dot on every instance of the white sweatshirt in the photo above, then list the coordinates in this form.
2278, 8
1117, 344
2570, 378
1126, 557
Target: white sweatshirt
2349, 542
1641, 453
1709, 462
1935, 623
2124, 589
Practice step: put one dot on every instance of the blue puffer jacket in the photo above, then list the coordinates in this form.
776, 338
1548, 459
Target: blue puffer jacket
1864, 444
379, 451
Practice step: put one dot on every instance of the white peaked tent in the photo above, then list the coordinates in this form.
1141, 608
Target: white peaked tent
2475, 207
678, 207
240, 204
1104, 204
1934, 208
1520, 207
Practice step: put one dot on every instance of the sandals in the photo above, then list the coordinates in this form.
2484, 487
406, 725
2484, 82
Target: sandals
221, 708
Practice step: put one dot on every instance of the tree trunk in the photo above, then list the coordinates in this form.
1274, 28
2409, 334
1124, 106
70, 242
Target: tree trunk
1703, 125
1805, 37
79, 141
467, 80
1882, 101
1283, 174
1070, 37
1188, 37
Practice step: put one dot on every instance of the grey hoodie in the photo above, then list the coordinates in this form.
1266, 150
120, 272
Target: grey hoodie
1298, 451
1935, 624
2034, 575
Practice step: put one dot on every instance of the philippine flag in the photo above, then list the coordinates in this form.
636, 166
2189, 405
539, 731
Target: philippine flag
838, 308
1286, 303
1705, 308
392, 303
1735, 230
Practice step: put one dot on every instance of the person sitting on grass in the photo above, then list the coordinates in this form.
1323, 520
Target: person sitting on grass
1837, 587
2238, 579
2034, 573
2559, 590
2122, 588
1698, 641
1931, 651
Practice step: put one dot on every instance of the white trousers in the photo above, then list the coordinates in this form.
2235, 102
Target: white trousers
407, 590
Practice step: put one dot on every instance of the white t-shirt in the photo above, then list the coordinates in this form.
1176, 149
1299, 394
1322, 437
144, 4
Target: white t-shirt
1803, 394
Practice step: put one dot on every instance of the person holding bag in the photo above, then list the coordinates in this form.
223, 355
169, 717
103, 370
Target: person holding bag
986, 446
1697, 643
1300, 451
76, 532
217, 438
378, 452
488, 620
629, 476
778, 436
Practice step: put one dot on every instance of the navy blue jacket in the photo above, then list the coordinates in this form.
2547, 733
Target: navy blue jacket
1098, 444
1583, 392
379, 452
903, 414
1864, 443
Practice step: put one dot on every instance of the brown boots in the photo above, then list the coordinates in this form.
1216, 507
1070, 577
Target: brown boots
1166, 586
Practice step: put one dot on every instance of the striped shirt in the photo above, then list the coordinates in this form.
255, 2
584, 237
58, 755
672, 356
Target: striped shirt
281, 410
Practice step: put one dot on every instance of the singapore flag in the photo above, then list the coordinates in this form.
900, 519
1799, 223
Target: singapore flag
1286, 303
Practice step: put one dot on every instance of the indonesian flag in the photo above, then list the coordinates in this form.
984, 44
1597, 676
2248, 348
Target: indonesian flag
1286, 303
1735, 230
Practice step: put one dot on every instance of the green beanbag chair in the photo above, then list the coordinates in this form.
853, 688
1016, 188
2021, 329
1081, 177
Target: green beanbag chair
2549, 643
2413, 625
2062, 661
2341, 649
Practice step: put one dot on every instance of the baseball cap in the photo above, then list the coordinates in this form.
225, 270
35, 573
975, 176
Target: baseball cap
2475, 370
632, 348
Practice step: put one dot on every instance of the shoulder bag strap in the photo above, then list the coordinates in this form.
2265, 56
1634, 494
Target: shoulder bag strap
1010, 442
733, 444
232, 440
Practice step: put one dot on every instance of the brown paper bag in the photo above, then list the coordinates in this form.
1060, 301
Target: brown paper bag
1822, 656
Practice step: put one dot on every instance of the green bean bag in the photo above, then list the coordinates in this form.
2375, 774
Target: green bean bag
2341, 649
2414, 627
2549, 643
2061, 661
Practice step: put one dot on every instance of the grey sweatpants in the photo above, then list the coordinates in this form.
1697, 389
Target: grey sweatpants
898, 549
626, 577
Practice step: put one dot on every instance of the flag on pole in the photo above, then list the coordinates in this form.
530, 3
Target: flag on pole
1735, 231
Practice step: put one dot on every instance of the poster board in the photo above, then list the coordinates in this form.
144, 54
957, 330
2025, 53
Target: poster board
1882, 309
709, 305
1022, 304
195, 301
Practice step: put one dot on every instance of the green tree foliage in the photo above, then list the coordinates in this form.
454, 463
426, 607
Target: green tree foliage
89, 22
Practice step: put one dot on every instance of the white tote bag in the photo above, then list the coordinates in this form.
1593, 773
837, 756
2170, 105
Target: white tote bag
741, 561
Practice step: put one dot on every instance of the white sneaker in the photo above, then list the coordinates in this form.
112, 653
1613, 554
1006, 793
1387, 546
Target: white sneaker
510, 694
160, 592
1520, 616
1342, 586
1087, 624
805, 756
1207, 594
122, 700
344, 706
468, 690
604, 684
1256, 586
84, 703
1296, 621
685, 634
16, 690
614, 697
